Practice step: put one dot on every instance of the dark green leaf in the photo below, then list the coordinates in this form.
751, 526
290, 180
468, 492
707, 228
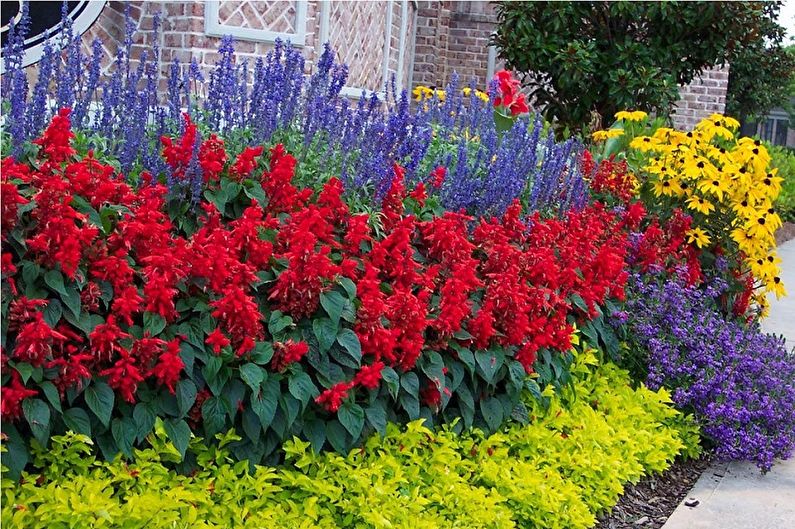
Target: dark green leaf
265, 401
337, 436
392, 380
278, 322
71, 299
77, 420
489, 363
144, 417
348, 339
262, 354
37, 412
252, 375
251, 424
153, 323
124, 432
51, 392
100, 398
214, 415
491, 408
376, 416
302, 388
410, 383
349, 286
53, 312
326, 333
25, 370
315, 433
333, 302
186, 395
351, 416
54, 280
179, 433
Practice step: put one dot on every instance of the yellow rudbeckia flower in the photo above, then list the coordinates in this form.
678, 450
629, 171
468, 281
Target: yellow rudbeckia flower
637, 115
698, 237
701, 205
602, 135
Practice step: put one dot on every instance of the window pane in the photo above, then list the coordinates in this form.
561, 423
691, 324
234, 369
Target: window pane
767, 130
781, 132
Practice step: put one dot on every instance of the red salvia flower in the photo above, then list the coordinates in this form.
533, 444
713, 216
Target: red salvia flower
332, 398
12, 397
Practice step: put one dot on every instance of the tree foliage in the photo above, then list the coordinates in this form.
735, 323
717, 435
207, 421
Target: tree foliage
584, 57
762, 72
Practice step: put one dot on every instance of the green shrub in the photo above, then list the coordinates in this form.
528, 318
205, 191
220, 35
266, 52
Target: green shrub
783, 158
569, 464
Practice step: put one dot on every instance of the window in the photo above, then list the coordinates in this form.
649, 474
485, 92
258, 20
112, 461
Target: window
782, 127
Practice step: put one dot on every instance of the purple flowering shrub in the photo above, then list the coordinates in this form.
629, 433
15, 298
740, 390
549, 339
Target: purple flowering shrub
738, 381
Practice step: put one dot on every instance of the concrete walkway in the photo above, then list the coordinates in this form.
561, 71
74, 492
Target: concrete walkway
736, 495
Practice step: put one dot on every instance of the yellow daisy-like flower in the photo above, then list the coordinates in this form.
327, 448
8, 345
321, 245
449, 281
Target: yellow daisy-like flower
714, 186
744, 208
421, 93
776, 286
723, 121
698, 237
637, 115
701, 205
645, 143
483, 96
765, 267
759, 227
699, 167
771, 183
667, 187
602, 135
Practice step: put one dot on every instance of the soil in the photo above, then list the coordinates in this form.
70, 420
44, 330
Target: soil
785, 233
650, 502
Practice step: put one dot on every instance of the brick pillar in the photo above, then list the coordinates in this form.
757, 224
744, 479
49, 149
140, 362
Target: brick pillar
433, 39
704, 96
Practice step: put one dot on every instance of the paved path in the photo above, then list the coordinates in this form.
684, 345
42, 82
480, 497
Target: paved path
736, 495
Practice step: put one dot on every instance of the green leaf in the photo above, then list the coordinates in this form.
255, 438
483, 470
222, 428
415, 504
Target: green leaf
77, 420
315, 432
214, 415
489, 363
410, 383
71, 299
376, 416
100, 398
351, 416
251, 424
144, 417
326, 333
154, 323
392, 380
37, 412
262, 353
186, 396
467, 357
278, 322
53, 312
491, 408
349, 286
54, 280
252, 375
302, 388
51, 392
264, 402
124, 433
348, 339
337, 436
466, 404
25, 370
179, 433
333, 302
411, 405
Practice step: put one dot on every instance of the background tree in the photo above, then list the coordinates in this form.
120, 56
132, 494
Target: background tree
584, 57
762, 71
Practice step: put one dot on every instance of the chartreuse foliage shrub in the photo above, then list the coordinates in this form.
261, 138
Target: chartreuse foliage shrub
558, 471
783, 159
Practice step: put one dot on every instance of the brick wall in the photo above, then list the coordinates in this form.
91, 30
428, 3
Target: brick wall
704, 96
368, 36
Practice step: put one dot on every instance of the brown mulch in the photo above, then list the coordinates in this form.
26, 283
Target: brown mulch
785, 233
650, 502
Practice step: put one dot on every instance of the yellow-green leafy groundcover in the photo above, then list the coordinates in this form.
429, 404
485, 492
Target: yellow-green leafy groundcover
569, 463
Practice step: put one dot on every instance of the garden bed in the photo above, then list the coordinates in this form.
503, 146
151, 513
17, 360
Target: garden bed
650, 502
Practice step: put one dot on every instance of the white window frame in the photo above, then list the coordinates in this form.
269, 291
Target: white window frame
214, 28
